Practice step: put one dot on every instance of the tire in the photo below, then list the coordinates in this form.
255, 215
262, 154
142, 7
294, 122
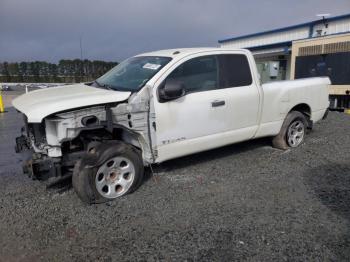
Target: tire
112, 170
294, 128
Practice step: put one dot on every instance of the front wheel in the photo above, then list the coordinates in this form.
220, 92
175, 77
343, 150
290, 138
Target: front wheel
293, 131
112, 170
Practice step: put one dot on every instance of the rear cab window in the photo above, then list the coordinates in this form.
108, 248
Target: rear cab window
234, 71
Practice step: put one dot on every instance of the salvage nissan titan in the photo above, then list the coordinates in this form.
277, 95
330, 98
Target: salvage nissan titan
158, 106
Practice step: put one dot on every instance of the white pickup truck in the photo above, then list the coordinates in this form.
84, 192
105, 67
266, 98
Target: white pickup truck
159, 106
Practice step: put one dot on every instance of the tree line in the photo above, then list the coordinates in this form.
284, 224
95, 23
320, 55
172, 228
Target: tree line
66, 71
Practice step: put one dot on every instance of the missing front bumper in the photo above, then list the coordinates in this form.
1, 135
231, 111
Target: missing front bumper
42, 168
37, 166
22, 144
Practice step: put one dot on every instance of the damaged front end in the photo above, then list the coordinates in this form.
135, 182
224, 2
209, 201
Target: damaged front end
33, 145
54, 145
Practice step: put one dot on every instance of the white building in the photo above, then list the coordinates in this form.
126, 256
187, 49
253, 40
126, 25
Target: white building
272, 49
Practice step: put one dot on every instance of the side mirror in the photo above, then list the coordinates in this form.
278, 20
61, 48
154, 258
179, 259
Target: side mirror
172, 89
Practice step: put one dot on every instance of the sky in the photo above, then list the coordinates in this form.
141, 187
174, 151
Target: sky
113, 30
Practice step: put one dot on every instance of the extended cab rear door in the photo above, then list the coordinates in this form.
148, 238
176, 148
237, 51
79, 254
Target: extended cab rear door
242, 94
220, 106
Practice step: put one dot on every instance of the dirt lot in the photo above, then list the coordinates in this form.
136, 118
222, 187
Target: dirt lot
242, 202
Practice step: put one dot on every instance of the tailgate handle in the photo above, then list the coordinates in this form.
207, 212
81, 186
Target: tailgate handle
217, 103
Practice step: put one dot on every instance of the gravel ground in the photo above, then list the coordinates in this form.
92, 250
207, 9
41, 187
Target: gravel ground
242, 202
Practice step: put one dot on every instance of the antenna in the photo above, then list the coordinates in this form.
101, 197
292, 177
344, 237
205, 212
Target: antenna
323, 16
324, 20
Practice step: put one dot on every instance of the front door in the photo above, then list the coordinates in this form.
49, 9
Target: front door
209, 113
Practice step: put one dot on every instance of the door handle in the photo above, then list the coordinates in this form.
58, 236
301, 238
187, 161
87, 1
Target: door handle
217, 103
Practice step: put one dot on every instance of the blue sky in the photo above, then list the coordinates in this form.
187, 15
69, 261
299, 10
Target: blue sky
114, 30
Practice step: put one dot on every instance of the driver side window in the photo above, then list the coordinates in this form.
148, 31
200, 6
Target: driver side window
197, 74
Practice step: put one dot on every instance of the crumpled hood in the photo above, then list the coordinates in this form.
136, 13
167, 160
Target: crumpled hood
38, 104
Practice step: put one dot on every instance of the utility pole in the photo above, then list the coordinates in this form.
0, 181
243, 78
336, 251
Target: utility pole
81, 58
81, 48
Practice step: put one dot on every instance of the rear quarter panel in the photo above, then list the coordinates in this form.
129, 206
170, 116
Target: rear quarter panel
280, 98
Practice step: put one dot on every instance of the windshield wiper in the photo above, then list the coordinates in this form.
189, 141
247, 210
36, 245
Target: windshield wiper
105, 86
109, 87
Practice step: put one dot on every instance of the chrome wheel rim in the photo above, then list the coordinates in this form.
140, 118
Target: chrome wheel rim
296, 132
115, 177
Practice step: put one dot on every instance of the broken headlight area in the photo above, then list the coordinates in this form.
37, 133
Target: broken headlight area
32, 137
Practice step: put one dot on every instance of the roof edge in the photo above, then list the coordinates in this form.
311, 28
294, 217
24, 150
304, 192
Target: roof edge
335, 18
274, 45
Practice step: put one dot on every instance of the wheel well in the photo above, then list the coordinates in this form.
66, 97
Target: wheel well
125, 135
306, 111
303, 108
88, 135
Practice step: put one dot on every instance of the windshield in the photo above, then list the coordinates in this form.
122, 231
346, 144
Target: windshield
133, 73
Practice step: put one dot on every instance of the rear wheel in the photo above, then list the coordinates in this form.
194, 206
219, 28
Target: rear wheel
111, 170
293, 131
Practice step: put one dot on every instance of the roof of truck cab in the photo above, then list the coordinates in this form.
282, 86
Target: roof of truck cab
181, 52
